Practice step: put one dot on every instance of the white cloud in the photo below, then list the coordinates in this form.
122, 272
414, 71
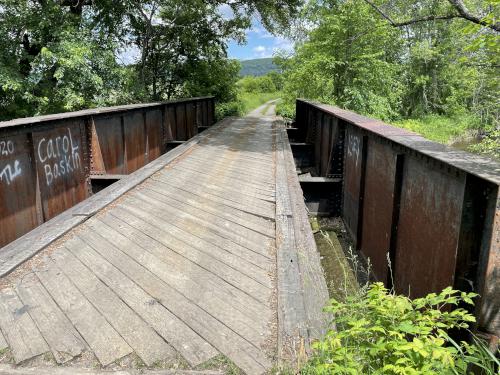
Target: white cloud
262, 51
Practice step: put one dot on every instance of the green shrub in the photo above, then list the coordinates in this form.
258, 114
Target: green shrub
384, 333
490, 145
286, 110
228, 109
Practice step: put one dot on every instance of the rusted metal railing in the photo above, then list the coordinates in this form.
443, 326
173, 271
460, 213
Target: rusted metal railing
433, 211
47, 163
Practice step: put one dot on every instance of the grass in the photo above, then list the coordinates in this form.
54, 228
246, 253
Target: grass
438, 128
253, 100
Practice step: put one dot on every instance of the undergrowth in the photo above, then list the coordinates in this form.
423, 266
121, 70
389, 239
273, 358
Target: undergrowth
376, 331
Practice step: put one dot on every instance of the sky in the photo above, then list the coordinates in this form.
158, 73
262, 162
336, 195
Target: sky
259, 44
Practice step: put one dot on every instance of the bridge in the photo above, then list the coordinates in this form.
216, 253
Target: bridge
149, 235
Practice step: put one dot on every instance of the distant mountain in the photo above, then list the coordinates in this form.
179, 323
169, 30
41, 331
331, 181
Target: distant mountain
257, 67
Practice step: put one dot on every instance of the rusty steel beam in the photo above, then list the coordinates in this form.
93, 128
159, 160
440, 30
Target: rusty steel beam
432, 211
46, 162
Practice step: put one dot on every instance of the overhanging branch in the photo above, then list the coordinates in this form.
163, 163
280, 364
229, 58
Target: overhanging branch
462, 12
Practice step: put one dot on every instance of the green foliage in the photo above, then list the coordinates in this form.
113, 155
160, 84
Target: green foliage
286, 110
63, 55
428, 76
257, 67
438, 128
251, 100
226, 109
490, 145
383, 333
257, 84
347, 62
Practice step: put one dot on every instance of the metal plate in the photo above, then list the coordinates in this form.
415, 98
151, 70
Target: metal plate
107, 146
154, 134
60, 165
17, 196
352, 179
191, 127
378, 206
429, 227
170, 128
135, 141
180, 115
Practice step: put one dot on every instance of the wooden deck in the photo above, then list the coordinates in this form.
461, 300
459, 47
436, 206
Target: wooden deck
206, 253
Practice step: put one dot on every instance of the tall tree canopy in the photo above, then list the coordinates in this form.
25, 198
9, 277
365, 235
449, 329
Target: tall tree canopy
60, 55
399, 59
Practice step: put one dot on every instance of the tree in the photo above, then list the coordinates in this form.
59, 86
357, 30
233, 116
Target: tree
486, 15
60, 55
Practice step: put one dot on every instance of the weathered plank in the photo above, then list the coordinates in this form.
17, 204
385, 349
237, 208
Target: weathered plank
105, 342
146, 343
161, 243
255, 223
196, 235
204, 229
193, 285
232, 178
187, 342
242, 353
21, 332
264, 213
219, 183
11, 370
264, 208
63, 339
313, 280
258, 222
226, 229
291, 308
198, 211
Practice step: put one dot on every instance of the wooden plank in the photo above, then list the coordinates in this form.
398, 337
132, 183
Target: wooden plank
183, 218
291, 309
313, 279
260, 208
264, 214
146, 343
204, 211
160, 241
6, 369
227, 225
259, 225
240, 165
197, 286
219, 184
187, 342
262, 173
241, 352
214, 180
101, 337
23, 336
63, 339
264, 187
187, 231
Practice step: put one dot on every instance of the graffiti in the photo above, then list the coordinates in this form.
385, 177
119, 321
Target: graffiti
353, 148
8, 174
6, 148
60, 156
